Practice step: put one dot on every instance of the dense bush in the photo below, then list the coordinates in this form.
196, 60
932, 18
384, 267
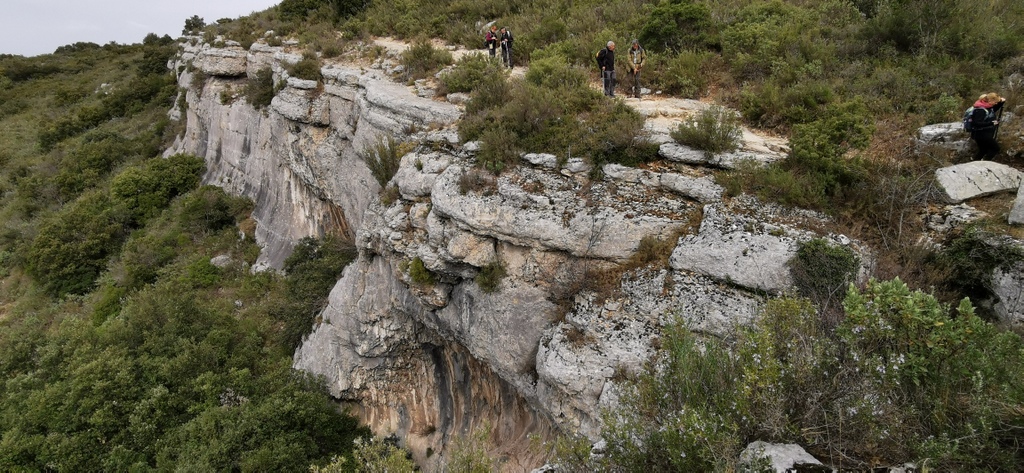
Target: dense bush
147, 189
822, 272
72, 247
259, 91
675, 25
555, 112
713, 130
422, 59
471, 71
686, 74
311, 270
899, 379
308, 68
973, 256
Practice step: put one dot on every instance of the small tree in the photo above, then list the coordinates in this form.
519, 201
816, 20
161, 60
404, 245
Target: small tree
194, 24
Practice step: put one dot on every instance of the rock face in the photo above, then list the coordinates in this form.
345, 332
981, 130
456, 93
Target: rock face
976, 179
298, 160
527, 302
1008, 287
1017, 212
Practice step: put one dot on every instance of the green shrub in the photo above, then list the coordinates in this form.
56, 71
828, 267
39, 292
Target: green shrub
713, 130
686, 74
818, 150
767, 34
312, 270
680, 417
822, 272
308, 68
562, 117
422, 59
259, 91
383, 157
146, 190
898, 378
420, 274
490, 276
771, 105
71, 248
471, 71
972, 257
675, 25
555, 73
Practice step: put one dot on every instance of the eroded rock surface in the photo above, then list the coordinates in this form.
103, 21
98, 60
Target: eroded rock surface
976, 179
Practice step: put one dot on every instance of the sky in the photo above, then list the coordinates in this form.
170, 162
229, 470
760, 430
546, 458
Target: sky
33, 27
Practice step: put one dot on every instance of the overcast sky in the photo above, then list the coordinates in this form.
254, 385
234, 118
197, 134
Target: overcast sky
32, 27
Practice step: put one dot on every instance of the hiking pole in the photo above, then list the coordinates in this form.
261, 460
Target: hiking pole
999, 121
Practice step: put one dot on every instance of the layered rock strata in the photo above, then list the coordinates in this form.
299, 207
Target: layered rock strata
514, 301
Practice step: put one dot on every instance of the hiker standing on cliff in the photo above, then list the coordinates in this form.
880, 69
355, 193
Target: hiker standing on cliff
985, 123
606, 61
637, 59
506, 47
491, 40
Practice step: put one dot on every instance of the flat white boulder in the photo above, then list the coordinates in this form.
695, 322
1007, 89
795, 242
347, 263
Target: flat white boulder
783, 457
976, 179
228, 62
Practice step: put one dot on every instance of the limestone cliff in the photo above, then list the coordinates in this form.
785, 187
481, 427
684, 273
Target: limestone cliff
434, 356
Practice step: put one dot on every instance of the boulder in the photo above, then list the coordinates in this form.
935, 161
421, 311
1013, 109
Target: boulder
702, 189
417, 173
729, 252
949, 136
228, 62
676, 152
782, 457
544, 160
1008, 286
597, 232
304, 106
976, 179
1017, 212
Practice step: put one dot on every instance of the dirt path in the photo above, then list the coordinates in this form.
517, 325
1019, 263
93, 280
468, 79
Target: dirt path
662, 113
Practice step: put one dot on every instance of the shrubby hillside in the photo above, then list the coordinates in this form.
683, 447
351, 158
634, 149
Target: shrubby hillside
124, 347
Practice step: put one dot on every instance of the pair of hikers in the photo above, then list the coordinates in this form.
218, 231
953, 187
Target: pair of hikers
982, 121
636, 57
502, 39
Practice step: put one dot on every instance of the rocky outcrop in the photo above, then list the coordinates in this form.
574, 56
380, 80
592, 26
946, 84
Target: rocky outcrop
948, 136
515, 300
298, 160
1008, 288
976, 179
1017, 212
746, 250
225, 62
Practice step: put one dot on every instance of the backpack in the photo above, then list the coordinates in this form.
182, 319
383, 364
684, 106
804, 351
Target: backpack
969, 118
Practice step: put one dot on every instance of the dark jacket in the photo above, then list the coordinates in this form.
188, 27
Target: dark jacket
606, 59
984, 119
506, 40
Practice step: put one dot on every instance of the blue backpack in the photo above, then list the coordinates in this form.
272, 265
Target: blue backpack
969, 118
